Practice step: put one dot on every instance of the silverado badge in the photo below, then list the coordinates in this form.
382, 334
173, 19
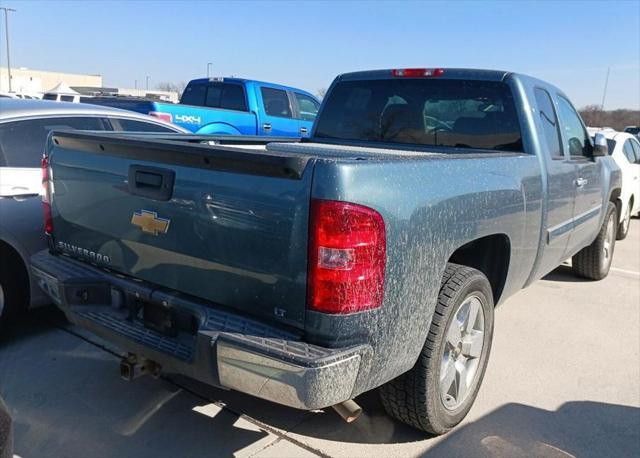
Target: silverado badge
150, 222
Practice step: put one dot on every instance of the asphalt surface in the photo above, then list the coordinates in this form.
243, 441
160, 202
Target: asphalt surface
563, 380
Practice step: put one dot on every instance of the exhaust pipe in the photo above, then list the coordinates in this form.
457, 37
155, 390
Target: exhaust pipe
348, 410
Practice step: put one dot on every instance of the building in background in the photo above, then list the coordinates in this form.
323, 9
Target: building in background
28, 81
38, 82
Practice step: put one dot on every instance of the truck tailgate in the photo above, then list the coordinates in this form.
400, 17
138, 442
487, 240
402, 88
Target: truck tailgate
220, 224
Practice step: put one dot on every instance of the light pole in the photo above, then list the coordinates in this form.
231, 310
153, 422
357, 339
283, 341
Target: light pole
135, 84
6, 28
209, 65
148, 82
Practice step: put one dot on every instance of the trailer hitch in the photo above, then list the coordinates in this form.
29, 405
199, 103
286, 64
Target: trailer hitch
133, 367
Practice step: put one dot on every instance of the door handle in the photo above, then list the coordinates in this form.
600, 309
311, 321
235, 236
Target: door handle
303, 130
266, 126
152, 182
581, 182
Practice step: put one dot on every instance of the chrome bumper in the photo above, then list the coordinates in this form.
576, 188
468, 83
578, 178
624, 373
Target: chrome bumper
226, 350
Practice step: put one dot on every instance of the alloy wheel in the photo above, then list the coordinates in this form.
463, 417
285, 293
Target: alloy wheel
462, 352
607, 246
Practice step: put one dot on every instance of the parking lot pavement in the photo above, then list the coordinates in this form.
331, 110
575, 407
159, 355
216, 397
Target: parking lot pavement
563, 380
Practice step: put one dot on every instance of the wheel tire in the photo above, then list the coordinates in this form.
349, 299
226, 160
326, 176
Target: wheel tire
594, 261
415, 397
14, 293
623, 227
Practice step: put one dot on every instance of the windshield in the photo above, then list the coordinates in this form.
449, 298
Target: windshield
431, 112
632, 130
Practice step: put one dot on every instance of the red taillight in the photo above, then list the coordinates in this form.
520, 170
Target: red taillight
46, 196
160, 115
347, 257
417, 72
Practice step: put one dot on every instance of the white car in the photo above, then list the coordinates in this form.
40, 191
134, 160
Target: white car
24, 127
625, 150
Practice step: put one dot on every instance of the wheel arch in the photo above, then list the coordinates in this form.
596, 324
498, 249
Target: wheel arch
218, 128
616, 198
491, 255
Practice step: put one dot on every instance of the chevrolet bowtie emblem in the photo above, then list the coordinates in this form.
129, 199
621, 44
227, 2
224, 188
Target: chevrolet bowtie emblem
150, 223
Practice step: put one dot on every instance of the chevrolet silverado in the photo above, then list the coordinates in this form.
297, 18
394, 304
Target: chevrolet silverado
370, 255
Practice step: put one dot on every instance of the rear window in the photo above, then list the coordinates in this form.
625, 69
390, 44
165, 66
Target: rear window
22, 143
425, 112
194, 94
216, 95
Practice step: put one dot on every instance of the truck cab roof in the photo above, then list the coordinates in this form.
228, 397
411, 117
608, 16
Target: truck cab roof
249, 81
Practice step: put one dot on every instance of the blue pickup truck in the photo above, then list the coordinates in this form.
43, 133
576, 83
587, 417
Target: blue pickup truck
231, 106
370, 255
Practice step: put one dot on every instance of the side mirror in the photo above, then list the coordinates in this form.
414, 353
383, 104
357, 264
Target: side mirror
600, 146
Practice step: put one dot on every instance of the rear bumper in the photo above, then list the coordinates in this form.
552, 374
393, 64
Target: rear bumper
224, 349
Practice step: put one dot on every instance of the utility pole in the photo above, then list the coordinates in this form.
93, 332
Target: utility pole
135, 84
6, 29
604, 96
604, 93
209, 64
148, 82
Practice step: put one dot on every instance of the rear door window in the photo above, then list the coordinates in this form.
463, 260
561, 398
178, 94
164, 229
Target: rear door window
22, 143
636, 149
549, 122
276, 102
427, 112
133, 125
628, 152
307, 106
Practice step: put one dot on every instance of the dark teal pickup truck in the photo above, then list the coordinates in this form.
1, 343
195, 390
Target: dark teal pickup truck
307, 272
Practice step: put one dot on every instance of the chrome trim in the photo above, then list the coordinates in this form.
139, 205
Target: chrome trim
565, 227
285, 383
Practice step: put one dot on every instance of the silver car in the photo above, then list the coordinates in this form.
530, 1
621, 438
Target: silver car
24, 126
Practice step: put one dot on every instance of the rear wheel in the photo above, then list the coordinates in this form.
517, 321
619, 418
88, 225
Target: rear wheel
436, 394
623, 227
593, 262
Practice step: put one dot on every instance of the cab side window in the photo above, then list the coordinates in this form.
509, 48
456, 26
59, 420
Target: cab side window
549, 122
576, 140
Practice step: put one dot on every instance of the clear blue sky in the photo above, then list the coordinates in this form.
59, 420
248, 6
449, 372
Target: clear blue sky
306, 44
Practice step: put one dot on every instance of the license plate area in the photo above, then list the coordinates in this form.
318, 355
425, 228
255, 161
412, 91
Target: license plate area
167, 321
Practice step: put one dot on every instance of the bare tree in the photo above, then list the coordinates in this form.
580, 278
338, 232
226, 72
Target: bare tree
321, 92
593, 116
171, 87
